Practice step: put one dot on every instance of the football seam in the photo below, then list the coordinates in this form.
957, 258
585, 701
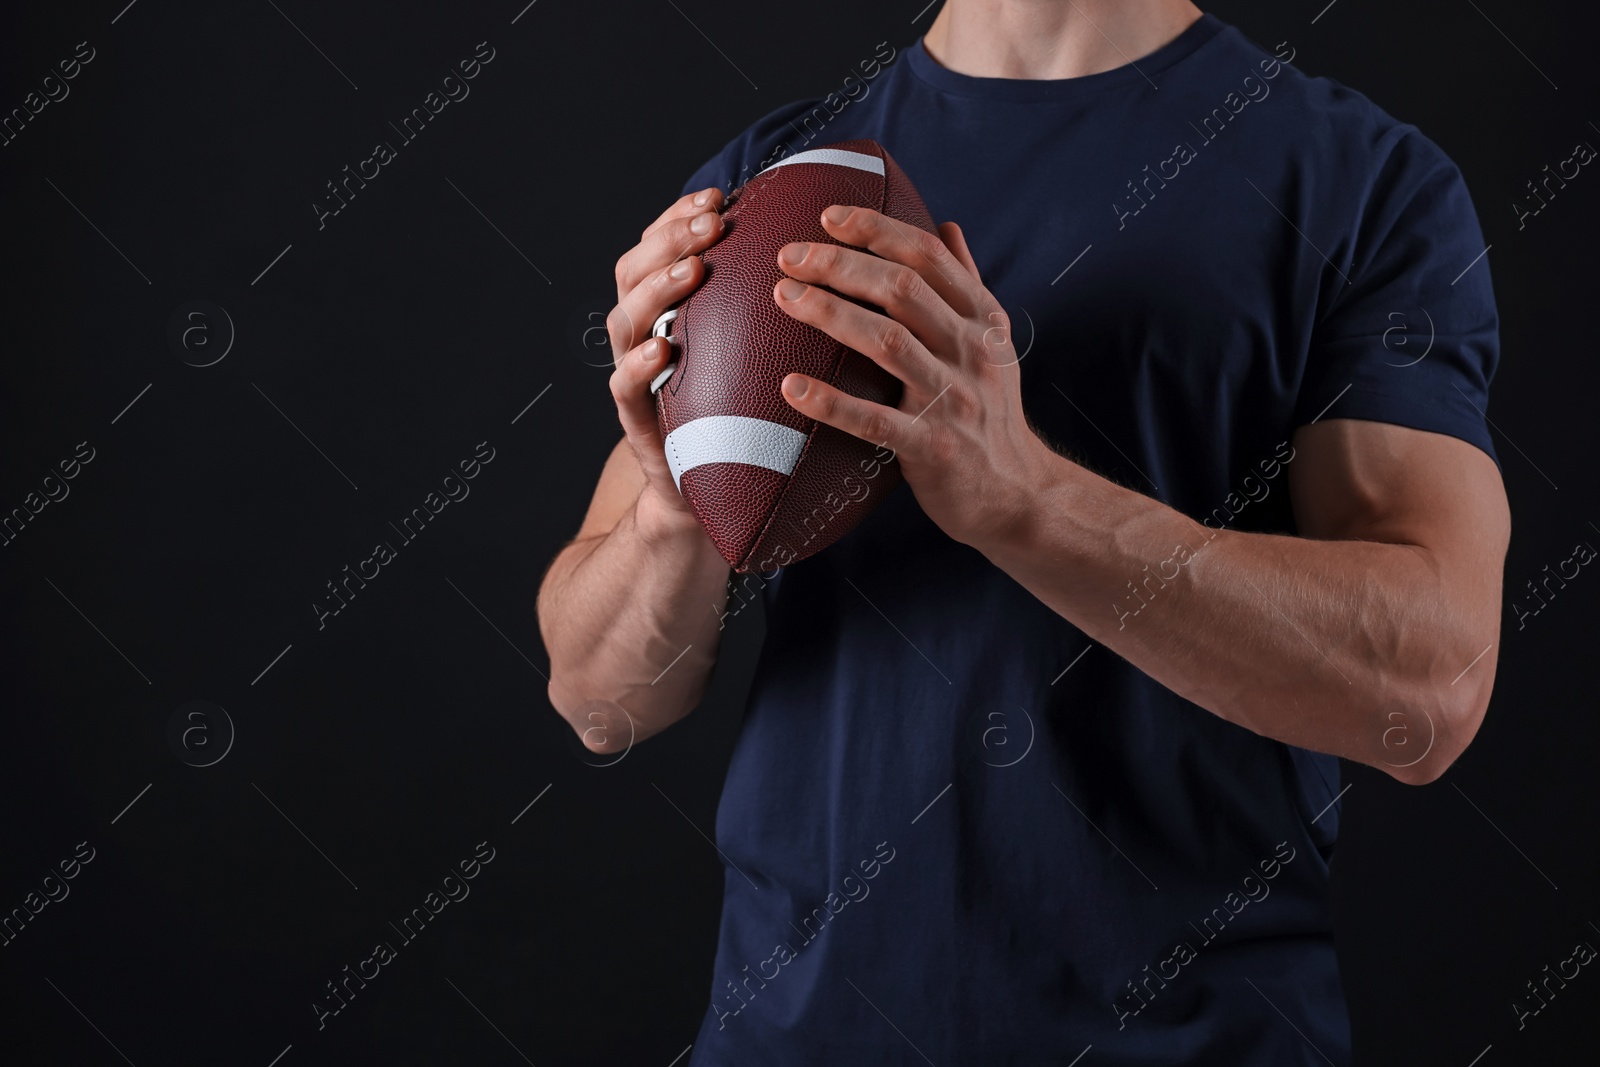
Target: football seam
833, 375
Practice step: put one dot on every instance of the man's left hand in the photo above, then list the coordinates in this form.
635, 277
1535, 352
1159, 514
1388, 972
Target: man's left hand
959, 432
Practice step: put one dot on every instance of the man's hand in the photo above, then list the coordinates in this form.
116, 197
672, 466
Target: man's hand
631, 609
959, 432
660, 270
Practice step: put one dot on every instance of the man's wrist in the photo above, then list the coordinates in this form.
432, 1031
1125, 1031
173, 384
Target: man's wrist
1021, 525
663, 525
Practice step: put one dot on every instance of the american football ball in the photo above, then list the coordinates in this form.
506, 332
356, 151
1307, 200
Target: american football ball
770, 485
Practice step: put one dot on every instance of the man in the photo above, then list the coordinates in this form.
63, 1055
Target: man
1199, 497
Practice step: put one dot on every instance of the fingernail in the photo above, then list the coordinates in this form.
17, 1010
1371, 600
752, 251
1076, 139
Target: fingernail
702, 197
790, 289
837, 215
680, 270
796, 385
700, 225
794, 253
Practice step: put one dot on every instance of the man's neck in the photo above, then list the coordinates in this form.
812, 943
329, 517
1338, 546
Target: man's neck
1036, 39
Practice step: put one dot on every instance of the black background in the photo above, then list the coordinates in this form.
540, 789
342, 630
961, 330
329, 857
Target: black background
422, 320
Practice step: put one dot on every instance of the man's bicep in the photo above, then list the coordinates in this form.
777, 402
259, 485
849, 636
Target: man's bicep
1354, 479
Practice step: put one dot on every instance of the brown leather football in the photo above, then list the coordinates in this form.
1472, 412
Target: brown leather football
770, 485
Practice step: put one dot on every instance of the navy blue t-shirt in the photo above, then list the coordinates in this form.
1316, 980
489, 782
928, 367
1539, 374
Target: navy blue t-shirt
956, 831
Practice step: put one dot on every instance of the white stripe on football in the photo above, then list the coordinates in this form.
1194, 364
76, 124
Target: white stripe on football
732, 439
839, 157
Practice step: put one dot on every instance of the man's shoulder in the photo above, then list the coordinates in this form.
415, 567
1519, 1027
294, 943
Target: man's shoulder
794, 126
758, 145
1331, 125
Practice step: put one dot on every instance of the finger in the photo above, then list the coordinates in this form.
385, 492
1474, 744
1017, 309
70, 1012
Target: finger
874, 423
671, 241
911, 246
878, 337
630, 321
687, 205
894, 287
956, 241
636, 407
630, 386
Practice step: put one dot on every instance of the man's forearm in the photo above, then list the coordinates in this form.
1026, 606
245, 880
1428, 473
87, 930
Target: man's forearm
1348, 647
632, 618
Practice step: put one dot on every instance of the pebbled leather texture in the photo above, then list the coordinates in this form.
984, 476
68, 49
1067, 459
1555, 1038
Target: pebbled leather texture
734, 347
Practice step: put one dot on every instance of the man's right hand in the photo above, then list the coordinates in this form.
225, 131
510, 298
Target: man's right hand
653, 275
632, 641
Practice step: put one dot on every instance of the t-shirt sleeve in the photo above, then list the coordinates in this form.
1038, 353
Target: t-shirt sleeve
713, 172
1413, 339
779, 133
